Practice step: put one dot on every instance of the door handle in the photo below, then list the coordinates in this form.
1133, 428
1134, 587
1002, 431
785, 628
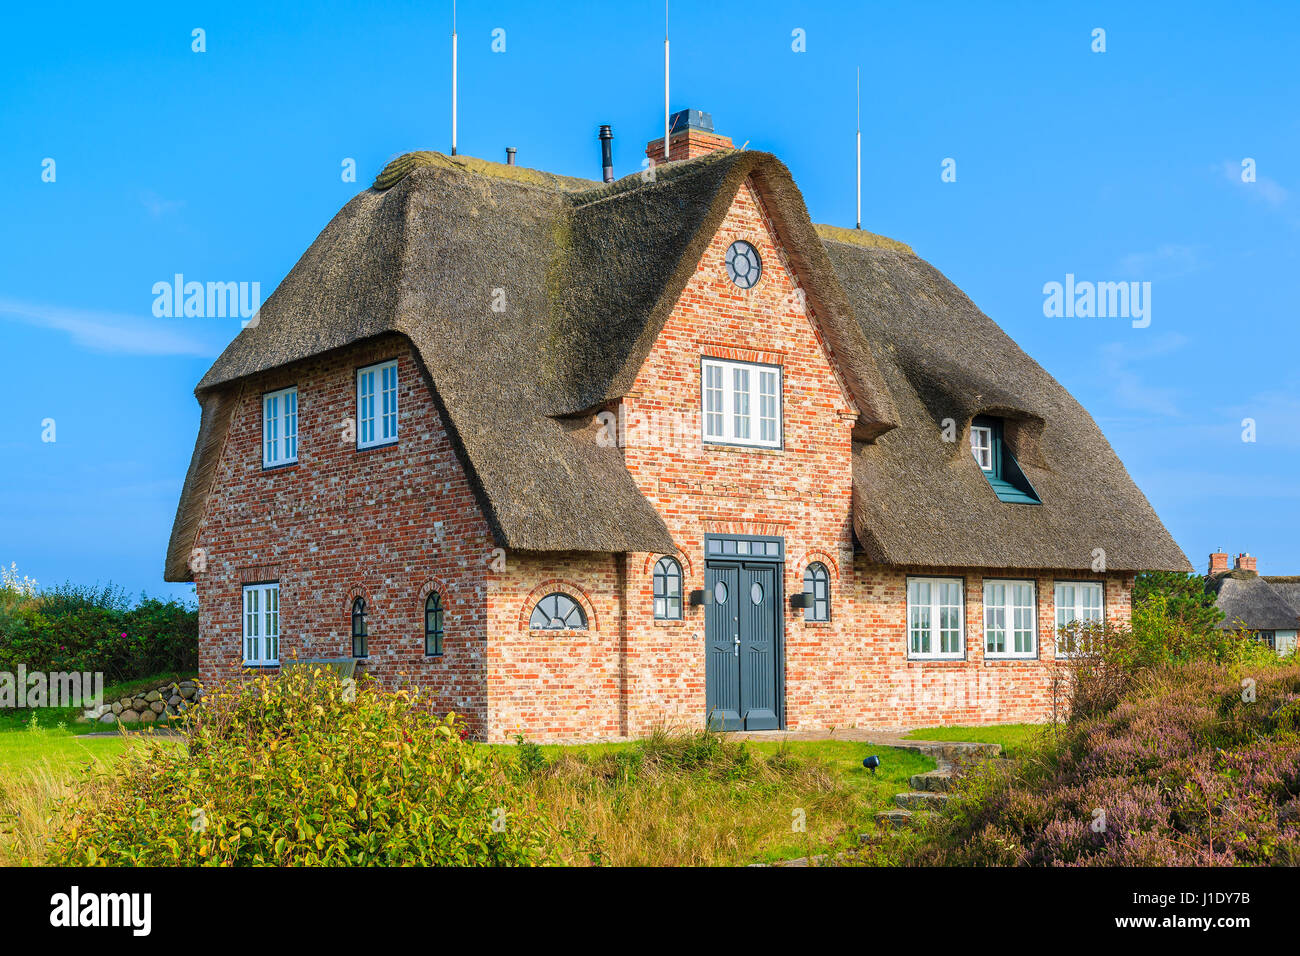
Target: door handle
737, 647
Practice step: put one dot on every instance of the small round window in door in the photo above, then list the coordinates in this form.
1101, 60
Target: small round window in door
756, 593
720, 592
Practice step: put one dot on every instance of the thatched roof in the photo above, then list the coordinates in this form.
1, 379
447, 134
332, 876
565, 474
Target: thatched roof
1250, 601
921, 500
590, 273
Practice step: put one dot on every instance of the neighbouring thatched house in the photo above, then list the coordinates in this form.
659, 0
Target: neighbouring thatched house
581, 459
1267, 606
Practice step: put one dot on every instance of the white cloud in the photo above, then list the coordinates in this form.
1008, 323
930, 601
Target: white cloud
116, 332
1263, 189
157, 206
1128, 387
1167, 261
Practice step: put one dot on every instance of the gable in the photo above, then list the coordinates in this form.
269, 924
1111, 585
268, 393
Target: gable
772, 323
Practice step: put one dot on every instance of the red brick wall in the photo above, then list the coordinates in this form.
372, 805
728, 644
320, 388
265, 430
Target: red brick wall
628, 674
555, 685
893, 691
391, 523
388, 523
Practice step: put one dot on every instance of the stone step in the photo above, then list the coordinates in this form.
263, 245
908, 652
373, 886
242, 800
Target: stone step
958, 754
936, 781
921, 800
899, 818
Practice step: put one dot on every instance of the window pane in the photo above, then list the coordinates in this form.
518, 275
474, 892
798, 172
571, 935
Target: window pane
291, 425
713, 401
769, 427
740, 397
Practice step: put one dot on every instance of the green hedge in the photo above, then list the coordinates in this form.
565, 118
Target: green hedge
305, 769
78, 628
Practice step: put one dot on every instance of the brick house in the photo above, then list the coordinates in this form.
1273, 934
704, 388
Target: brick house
1268, 606
582, 459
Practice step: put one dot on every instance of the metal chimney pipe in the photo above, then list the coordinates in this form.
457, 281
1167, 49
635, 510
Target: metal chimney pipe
510, 155
607, 153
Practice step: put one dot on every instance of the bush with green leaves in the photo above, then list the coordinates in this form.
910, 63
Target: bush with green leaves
96, 629
307, 769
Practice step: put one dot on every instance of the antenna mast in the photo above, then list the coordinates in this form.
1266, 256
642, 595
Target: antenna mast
859, 122
666, 130
453, 77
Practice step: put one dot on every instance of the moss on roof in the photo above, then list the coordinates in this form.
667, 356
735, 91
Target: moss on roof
860, 237
401, 167
591, 272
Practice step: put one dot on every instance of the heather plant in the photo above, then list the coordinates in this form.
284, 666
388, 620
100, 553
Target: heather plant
307, 769
1195, 765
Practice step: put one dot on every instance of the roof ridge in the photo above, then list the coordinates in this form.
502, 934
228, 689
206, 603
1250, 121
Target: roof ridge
860, 237
663, 172
397, 169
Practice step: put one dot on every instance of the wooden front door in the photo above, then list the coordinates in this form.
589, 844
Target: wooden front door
743, 644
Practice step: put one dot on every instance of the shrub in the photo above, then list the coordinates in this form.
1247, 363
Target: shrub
1185, 768
96, 629
305, 769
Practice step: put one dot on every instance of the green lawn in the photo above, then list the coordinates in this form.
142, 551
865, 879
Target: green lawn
65, 719
61, 751
1010, 736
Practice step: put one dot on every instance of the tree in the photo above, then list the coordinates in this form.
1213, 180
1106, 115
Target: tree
1187, 598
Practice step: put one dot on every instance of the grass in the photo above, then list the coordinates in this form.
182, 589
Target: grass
1012, 737
38, 769
66, 718
701, 800
668, 800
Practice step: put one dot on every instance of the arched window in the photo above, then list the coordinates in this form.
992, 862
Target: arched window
359, 643
557, 612
433, 624
817, 584
668, 590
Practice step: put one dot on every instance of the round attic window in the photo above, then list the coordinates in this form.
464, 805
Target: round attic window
743, 264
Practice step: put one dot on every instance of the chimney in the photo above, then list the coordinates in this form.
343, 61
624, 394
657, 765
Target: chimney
510, 155
1218, 562
1245, 562
607, 153
692, 135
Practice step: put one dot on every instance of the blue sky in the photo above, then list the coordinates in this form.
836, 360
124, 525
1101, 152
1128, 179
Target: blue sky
224, 165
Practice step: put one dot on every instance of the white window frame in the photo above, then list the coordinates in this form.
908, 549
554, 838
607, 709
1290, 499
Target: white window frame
981, 446
1008, 609
933, 614
1067, 613
377, 394
280, 427
260, 614
741, 403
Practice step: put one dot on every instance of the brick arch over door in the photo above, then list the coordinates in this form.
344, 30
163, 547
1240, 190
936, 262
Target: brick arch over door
554, 586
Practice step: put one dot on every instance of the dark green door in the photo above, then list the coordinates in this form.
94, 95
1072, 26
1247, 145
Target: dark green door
722, 637
758, 609
741, 634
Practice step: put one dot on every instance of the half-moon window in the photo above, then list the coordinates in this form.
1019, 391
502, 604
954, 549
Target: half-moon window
557, 612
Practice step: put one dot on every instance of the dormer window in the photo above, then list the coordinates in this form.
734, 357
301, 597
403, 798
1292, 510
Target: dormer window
998, 464
981, 446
